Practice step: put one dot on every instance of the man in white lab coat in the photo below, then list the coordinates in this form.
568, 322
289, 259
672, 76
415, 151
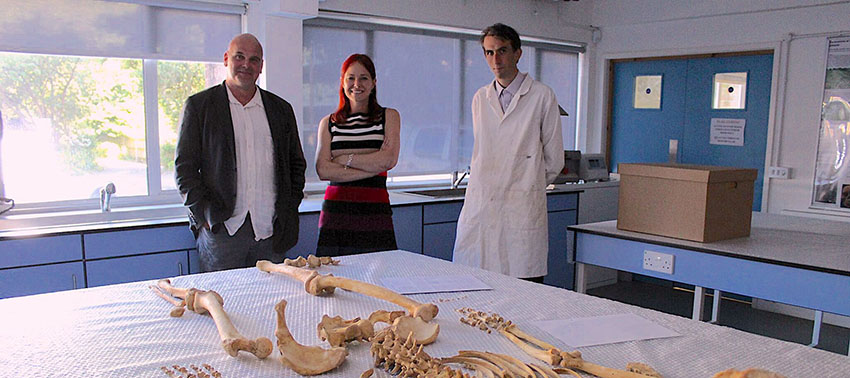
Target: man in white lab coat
518, 151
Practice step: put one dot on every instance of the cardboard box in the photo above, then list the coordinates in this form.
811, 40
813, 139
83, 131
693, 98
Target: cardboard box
692, 202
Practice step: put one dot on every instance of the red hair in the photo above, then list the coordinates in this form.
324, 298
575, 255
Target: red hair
344, 108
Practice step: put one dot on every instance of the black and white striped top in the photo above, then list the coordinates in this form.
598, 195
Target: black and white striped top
357, 132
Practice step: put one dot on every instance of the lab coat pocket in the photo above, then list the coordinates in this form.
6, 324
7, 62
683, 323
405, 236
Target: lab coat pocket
526, 172
525, 209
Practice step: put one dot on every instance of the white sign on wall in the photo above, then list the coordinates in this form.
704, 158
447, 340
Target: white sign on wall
728, 131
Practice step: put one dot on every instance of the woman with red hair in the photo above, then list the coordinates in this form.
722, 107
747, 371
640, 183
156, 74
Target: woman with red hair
357, 145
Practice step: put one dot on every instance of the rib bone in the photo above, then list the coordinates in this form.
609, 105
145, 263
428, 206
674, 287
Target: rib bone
305, 360
318, 284
203, 302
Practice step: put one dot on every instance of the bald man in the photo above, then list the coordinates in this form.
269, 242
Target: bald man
239, 166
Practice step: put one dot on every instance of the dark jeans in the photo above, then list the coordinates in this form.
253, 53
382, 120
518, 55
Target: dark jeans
219, 251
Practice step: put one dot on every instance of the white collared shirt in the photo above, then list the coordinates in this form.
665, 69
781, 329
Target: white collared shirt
255, 186
507, 94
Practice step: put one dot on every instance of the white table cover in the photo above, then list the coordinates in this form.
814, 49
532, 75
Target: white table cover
125, 330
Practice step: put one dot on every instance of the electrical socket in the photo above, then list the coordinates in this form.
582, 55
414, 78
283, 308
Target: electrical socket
657, 261
779, 172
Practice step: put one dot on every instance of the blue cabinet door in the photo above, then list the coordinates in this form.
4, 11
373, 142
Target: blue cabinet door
407, 223
560, 273
133, 242
136, 268
41, 279
438, 240
40, 250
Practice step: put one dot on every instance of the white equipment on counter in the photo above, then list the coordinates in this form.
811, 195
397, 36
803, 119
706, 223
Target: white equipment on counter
593, 167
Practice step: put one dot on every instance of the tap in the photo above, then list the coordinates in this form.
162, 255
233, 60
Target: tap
106, 196
457, 177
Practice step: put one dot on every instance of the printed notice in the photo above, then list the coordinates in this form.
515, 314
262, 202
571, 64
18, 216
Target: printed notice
728, 131
434, 284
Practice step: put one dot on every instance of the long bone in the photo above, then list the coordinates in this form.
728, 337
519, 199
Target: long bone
317, 284
210, 302
179, 306
305, 360
573, 360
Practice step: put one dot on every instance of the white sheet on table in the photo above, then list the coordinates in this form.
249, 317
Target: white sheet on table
434, 284
606, 329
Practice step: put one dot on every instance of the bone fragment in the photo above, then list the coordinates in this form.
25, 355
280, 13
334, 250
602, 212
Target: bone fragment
497, 360
231, 340
384, 316
642, 368
210, 302
338, 331
533, 351
422, 332
573, 360
562, 370
513, 329
405, 358
178, 309
317, 284
305, 360
748, 373
544, 371
477, 363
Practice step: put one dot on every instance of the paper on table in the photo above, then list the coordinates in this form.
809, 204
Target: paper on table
433, 284
606, 329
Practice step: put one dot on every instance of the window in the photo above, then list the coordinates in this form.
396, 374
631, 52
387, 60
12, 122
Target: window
729, 91
430, 76
95, 96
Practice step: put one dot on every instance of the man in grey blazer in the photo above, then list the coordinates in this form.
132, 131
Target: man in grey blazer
239, 166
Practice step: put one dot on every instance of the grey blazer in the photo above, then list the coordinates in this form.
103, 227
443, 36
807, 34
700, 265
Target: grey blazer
205, 162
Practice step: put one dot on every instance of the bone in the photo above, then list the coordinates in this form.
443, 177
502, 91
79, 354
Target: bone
338, 331
477, 364
422, 332
573, 360
531, 350
642, 368
544, 371
178, 309
384, 316
747, 373
210, 302
305, 360
318, 284
497, 360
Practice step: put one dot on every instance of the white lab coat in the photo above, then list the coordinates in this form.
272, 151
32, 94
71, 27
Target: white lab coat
503, 226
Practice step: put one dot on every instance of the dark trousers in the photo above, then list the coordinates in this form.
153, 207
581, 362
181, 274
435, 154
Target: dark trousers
219, 251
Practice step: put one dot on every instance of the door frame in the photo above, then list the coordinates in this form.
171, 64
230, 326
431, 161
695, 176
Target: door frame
779, 52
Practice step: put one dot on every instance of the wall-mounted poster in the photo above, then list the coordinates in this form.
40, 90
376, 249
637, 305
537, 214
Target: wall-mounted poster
832, 170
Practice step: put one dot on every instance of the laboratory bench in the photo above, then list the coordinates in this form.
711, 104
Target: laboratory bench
793, 260
125, 330
64, 257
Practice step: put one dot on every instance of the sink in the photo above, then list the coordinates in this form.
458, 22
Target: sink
439, 193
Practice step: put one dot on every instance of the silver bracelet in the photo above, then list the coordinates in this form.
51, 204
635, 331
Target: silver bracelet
348, 163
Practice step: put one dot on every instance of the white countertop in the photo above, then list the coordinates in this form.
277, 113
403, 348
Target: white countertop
795, 241
77, 221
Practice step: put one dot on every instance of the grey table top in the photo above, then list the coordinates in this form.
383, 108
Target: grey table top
779, 239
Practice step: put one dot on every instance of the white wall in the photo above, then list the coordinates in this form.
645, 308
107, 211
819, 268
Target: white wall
649, 28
